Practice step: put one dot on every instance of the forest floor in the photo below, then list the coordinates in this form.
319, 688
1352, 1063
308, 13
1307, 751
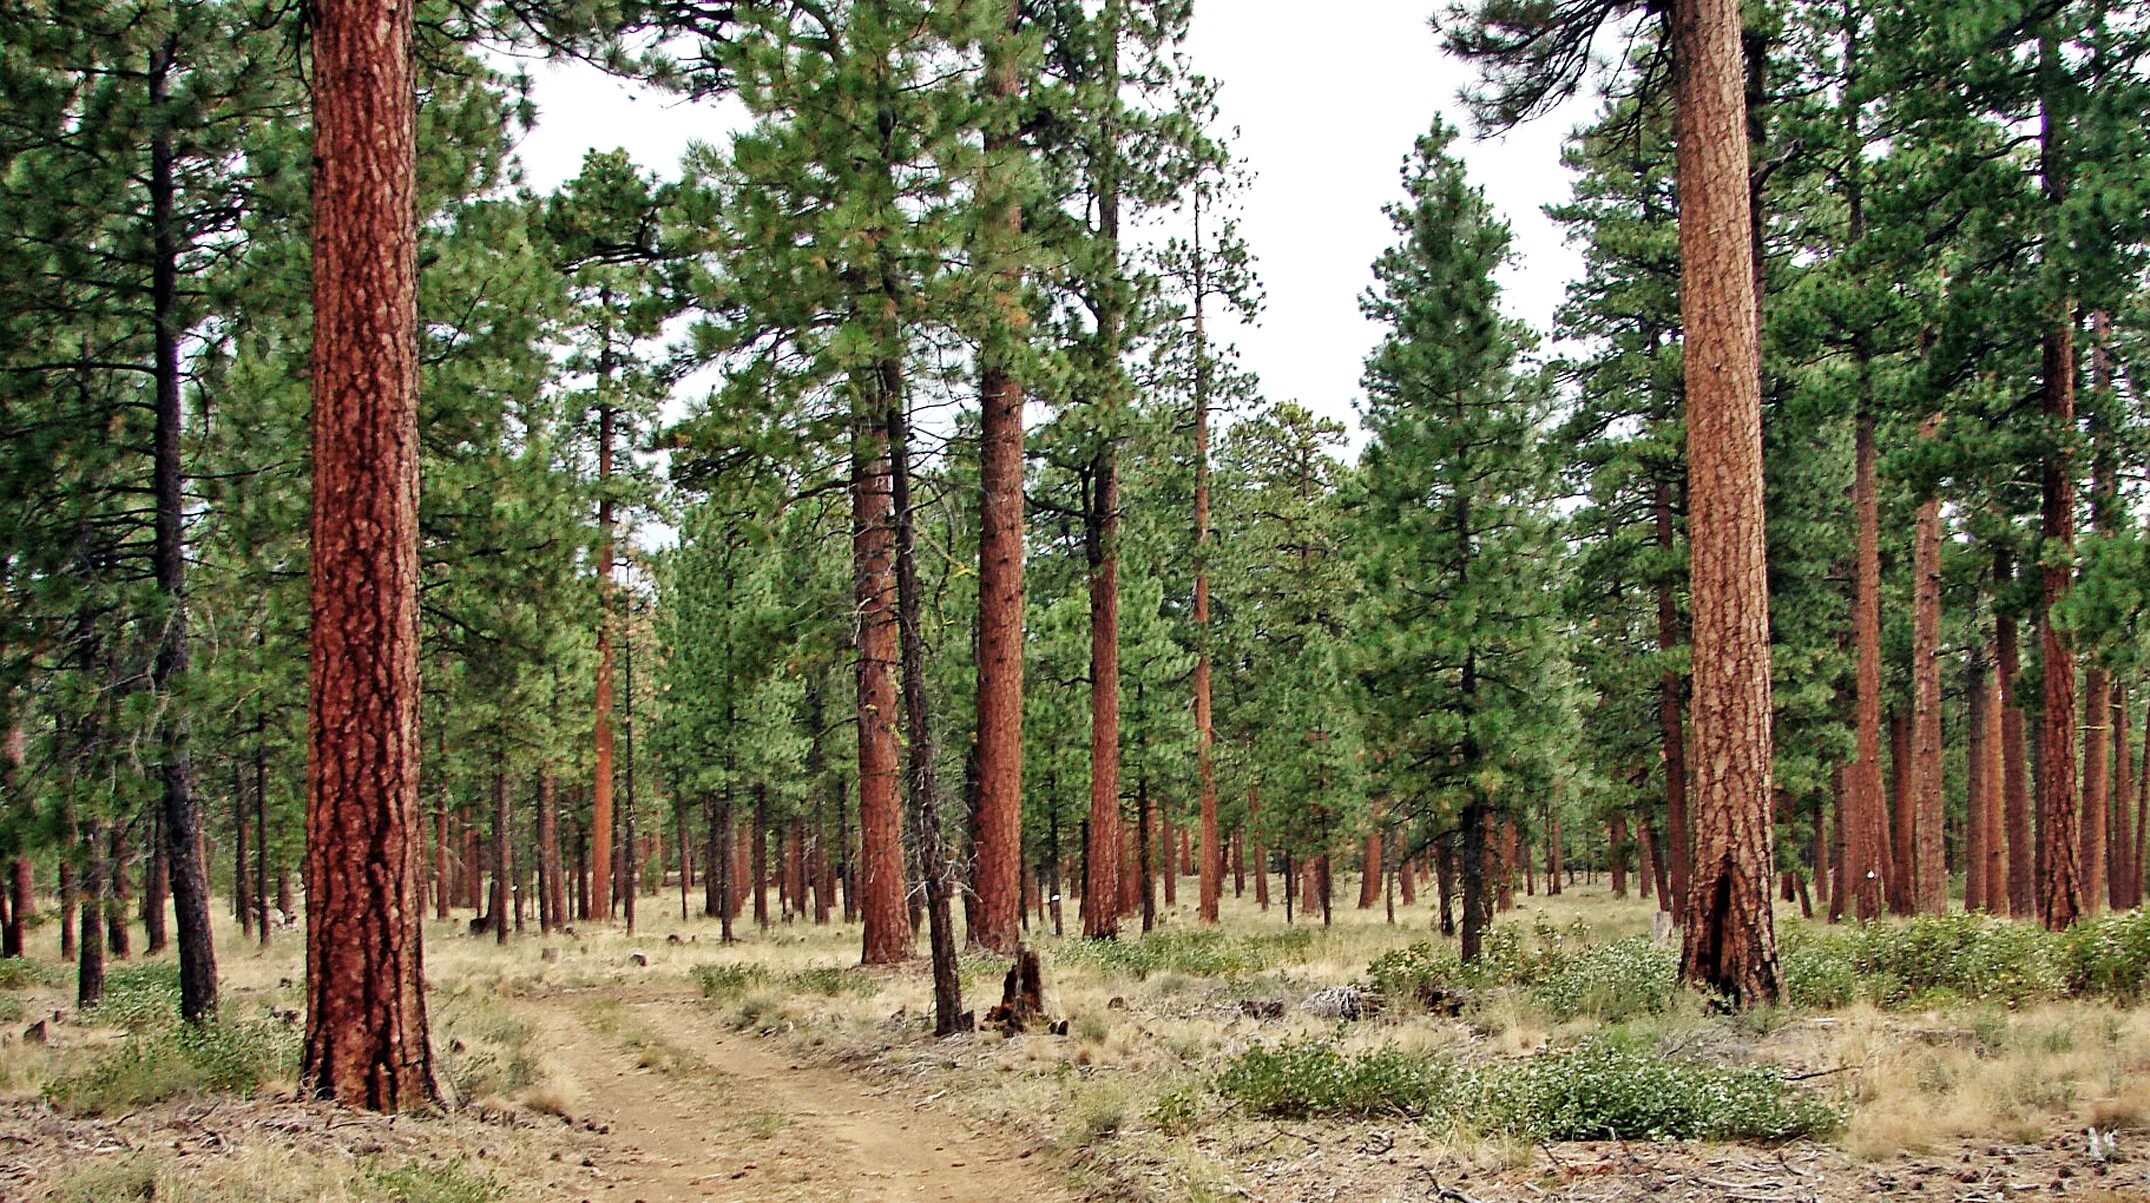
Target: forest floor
665, 1066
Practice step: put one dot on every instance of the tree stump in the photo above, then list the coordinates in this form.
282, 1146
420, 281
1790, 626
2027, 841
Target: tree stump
1022, 996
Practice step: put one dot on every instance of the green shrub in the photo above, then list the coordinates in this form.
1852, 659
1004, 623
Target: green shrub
1933, 958
417, 1182
2108, 958
728, 981
192, 1059
831, 981
1612, 982
1310, 1078
1420, 972
1606, 1090
139, 998
1190, 951
1599, 1090
20, 973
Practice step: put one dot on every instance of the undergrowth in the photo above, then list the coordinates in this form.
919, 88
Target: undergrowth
1601, 1089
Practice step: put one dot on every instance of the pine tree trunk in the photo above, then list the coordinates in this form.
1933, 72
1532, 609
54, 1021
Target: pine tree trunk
1928, 876
888, 937
1900, 812
1865, 836
503, 853
2015, 789
90, 944
366, 1039
1205, 730
601, 817
1553, 850
548, 852
1261, 854
1370, 879
997, 831
2103, 859
2061, 882
1977, 759
1616, 853
1101, 859
179, 818
1730, 943
1671, 725
2123, 870
948, 1014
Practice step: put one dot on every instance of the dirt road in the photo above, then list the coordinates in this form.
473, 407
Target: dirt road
671, 1107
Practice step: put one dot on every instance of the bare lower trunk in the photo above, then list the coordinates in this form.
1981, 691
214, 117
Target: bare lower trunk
366, 1019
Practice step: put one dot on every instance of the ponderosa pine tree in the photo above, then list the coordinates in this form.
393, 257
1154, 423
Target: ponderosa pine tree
1453, 541
366, 1043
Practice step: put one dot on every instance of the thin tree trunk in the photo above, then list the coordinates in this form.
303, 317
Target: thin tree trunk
503, 848
366, 1019
2015, 790
179, 818
1671, 724
1616, 852
1101, 859
90, 955
1977, 836
1927, 878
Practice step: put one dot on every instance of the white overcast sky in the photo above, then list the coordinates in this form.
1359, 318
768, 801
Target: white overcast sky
1326, 109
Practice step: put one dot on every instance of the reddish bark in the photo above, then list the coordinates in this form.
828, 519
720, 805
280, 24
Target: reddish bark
2015, 788
1866, 818
1671, 725
1616, 852
1370, 878
1977, 837
1927, 879
366, 1041
1729, 939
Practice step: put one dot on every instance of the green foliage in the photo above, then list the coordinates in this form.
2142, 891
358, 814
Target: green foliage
1599, 1090
1560, 973
1309, 1078
1932, 958
1611, 982
179, 1061
22, 973
2108, 957
139, 998
1194, 951
728, 981
431, 1182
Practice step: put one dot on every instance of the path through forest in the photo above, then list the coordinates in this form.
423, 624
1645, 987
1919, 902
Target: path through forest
670, 1106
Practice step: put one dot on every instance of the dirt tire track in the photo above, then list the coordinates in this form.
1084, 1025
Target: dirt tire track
708, 1131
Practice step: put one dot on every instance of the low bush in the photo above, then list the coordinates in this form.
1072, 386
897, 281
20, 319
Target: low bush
185, 1060
1612, 982
438, 1182
1192, 951
1309, 1078
1599, 1090
139, 998
728, 981
2108, 957
831, 981
1929, 959
20, 973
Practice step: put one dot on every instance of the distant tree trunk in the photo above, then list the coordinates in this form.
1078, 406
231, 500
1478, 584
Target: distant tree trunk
1866, 818
1239, 861
1928, 876
366, 1019
601, 817
1205, 731
90, 954
1671, 724
925, 801
1370, 879
2060, 888
1553, 849
1261, 854
548, 851
1900, 813
2097, 848
1169, 879
22, 886
116, 934
1977, 836
179, 818
1616, 853
503, 848
1405, 885
2015, 790
2124, 871
156, 894
1997, 836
